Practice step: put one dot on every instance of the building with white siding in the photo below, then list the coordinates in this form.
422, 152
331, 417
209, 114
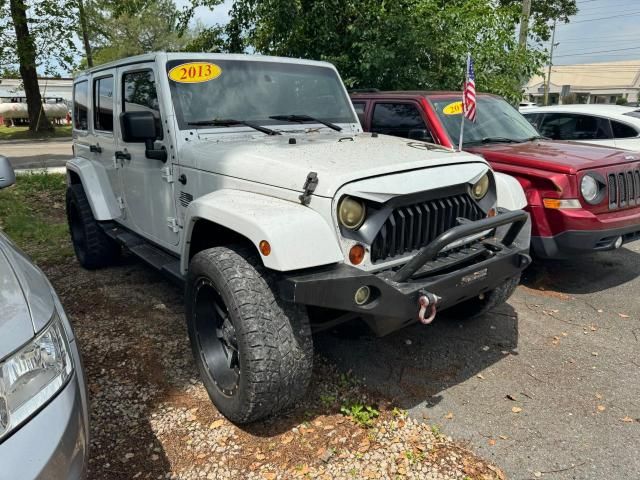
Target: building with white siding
588, 83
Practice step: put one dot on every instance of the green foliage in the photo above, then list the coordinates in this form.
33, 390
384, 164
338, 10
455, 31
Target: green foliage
400, 44
119, 29
363, 415
621, 101
50, 23
544, 12
32, 215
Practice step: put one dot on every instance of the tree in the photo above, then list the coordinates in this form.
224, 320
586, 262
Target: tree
401, 44
545, 12
124, 28
36, 36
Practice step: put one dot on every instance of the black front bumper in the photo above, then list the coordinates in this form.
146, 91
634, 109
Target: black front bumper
455, 276
579, 242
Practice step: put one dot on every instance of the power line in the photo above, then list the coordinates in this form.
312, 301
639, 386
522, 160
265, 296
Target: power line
575, 54
602, 18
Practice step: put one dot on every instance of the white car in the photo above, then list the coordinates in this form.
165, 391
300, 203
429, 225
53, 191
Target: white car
249, 179
608, 125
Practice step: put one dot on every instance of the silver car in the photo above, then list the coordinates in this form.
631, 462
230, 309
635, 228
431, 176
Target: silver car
43, 395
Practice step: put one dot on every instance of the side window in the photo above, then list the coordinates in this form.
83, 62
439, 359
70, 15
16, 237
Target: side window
569, 126
139, 93
622, 130
80, 105
103, 104
533, 118
398, 119
360, 108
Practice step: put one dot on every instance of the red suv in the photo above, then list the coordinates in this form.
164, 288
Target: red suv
582, 198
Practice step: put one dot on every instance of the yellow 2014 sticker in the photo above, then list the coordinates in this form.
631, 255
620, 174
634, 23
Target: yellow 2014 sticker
454, 108
195, 72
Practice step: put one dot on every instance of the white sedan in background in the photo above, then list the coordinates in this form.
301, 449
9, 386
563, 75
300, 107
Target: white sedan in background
608, 125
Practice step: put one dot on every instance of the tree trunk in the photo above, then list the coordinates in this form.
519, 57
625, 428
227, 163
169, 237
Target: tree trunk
26, 49
85, 34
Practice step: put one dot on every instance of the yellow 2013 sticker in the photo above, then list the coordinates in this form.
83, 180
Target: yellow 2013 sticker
454, 108
195, 72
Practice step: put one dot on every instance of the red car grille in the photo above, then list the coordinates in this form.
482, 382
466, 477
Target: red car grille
624, 189
411, 227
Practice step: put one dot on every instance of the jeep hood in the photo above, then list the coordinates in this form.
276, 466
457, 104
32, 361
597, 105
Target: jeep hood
555, 156
337, 159
26, 304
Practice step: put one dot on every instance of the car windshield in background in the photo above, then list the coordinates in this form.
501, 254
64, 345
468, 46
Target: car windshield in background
496, 120
635, 114
254, 91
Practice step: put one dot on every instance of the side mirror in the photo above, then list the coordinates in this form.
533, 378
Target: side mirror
138, 126
143, 127
7, 175
420, 134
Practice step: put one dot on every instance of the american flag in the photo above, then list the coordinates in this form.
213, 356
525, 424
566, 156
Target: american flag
469, 96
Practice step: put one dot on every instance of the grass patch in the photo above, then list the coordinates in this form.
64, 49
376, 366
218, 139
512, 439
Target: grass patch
363, 415
23, 133
32, 214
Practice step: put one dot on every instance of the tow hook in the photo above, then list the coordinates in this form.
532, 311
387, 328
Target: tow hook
427, 303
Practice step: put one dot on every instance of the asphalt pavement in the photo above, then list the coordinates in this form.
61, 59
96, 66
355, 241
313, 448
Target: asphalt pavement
547, 386
28, 154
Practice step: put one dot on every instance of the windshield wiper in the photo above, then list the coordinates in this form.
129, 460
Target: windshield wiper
306, 118
498, 140
536, 137
228, 122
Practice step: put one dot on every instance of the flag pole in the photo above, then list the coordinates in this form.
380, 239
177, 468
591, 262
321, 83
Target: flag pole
464, 89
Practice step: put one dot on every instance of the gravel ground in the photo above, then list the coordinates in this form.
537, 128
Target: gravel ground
151, 416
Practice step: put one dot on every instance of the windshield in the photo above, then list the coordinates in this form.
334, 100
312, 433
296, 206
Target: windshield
253, 91
495, 119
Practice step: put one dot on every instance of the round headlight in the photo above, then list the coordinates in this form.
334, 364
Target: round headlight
480, 189
589, 188
351, 213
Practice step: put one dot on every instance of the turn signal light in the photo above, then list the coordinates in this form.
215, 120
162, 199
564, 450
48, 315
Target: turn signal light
492, 213
356, 254
558, 203
265, 248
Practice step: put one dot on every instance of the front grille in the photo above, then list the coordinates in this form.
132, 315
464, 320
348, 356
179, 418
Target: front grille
624, 189
411, 227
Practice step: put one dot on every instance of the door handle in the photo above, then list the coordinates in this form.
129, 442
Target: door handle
120, 155
95, 148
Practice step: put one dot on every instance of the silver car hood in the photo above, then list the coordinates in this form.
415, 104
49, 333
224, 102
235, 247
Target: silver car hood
26, 304
337, 159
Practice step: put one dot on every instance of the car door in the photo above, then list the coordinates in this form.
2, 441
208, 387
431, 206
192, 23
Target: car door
147, 183
401, 119
103, 143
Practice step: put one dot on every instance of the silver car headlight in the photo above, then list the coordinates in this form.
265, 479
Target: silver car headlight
30, 377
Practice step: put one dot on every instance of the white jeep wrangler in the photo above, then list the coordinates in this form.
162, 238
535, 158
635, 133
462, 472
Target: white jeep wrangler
249, 179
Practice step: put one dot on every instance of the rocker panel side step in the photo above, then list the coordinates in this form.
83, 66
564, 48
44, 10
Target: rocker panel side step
154, 256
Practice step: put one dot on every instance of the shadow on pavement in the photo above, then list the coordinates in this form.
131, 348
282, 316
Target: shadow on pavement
416, 364
585, 274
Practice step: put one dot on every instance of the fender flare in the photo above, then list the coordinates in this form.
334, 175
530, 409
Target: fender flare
96, 186
510, 193
299, 236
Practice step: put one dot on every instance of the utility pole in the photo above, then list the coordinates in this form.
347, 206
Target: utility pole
524, 23
548, 84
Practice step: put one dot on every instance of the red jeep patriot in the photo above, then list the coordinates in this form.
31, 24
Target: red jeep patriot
582, 198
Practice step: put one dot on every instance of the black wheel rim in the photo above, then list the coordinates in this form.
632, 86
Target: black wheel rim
77, 232
216, 338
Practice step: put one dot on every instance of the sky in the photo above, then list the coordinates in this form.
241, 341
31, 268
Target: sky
607, 26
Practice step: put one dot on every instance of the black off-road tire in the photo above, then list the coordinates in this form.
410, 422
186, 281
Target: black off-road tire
476, 307
93, 248
274, 354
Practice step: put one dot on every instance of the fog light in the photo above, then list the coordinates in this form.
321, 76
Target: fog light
356, 254
617, 243
362, 295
